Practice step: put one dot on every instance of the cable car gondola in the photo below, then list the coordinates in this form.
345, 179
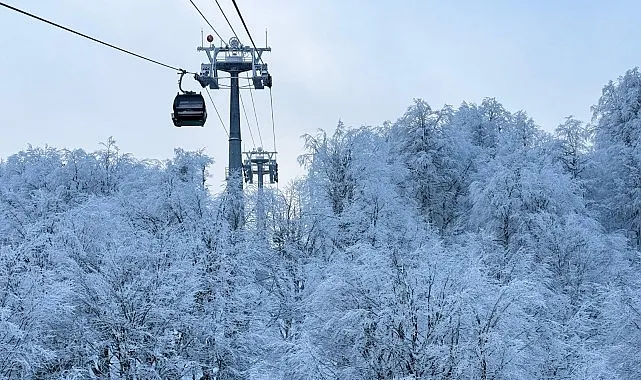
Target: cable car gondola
189, 108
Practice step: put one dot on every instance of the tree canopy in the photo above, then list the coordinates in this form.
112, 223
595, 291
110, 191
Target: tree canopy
453, 243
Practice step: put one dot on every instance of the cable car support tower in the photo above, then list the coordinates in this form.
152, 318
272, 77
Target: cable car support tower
236, 59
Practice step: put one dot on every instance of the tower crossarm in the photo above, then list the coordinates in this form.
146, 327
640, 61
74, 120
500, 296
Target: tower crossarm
235, 58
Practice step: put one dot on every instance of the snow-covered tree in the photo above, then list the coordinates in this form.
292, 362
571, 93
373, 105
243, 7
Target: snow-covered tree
452, 244
618, 155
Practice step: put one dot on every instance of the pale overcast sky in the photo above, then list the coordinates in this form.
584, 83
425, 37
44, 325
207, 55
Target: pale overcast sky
358, 61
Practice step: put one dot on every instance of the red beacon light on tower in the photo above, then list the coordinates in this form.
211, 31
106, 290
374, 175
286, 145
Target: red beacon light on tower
210, 38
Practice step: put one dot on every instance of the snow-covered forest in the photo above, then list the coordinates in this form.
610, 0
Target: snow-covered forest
454, 243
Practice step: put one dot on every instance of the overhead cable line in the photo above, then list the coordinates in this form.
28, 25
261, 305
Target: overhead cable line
207, 21
217, 113
247, 119
89, 37
245, 25
271, 103
251, 93
250, 90
226, 19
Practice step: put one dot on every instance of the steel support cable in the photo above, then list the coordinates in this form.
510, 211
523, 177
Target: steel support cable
226, 19
207, 21
260, 137
245, 25
261, 59
90, 38
247, 119
217, 113
271, 103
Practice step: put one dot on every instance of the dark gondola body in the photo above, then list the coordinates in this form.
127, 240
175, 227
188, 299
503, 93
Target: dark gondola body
189, 110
